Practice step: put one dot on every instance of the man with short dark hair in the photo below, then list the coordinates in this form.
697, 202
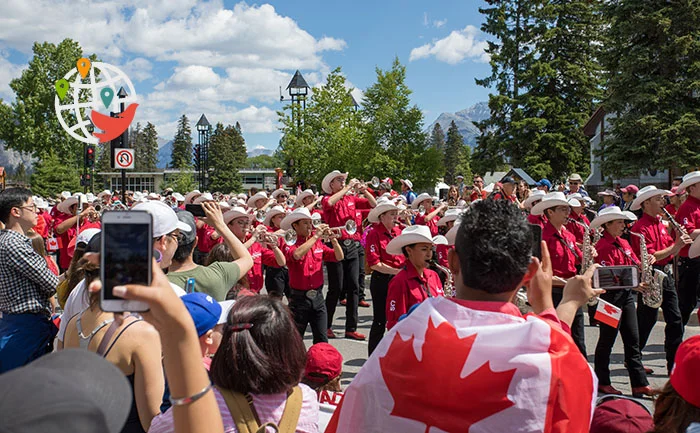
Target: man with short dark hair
26, 285
478, 192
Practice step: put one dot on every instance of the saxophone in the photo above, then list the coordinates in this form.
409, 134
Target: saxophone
449, 283
587, 247
651, 296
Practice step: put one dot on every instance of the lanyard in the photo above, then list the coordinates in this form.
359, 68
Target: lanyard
625, 254
563, 242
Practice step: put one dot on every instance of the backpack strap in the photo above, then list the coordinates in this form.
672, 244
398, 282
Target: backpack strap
246, 419
292, 410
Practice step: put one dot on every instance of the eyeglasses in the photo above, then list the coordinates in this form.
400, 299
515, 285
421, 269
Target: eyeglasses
32, 207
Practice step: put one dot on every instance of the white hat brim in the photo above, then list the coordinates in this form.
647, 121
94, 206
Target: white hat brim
259, 196
235, 213
395, 245
377, 211
600, 220
447, 218
420, 199
637, 202
528, 201
692, 180
291, 219
189, 198
327, 179
451, 234
299, 202
539, 208
65, 205
271, 214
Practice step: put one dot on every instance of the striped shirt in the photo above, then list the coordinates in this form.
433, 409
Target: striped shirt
268, 407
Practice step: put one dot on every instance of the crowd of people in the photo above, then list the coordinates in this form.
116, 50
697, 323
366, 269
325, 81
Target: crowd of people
235, 289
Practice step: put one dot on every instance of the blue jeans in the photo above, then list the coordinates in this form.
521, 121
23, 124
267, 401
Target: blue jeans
24, 338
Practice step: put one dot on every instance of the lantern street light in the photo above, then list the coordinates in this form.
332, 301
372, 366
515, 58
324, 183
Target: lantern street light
201, 153
298, 90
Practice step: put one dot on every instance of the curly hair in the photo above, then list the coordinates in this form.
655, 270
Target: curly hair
494, 245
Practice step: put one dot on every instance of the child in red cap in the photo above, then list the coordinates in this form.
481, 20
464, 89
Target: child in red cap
324, 365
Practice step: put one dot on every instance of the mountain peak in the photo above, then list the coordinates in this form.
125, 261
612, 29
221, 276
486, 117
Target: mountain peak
464, 119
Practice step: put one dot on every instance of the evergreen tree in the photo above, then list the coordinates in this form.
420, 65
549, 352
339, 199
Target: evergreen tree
652, 56
182, 145
149, 148
227, 155
51, 176
454, 153
20, 175
136, 143
437, 138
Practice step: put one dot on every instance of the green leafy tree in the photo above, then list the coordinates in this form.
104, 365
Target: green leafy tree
227, 155
51, 176
393, 132
264, 161
136, 143
181, 156
652, 56
454, 153
30, 124
20, 174
147, 151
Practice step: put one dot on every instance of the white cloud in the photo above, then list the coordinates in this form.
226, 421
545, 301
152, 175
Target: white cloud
439, 23
194, 77
138, 69
8, 72
456, 47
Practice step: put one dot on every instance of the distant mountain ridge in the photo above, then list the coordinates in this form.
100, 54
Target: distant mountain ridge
165, 150
464, 119
10, 159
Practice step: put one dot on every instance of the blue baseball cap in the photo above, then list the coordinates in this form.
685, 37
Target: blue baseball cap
205, 311
544, 182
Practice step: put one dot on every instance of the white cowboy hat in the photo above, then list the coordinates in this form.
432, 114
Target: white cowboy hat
275, 210
689, 179
299, 202
236, 212
224, 206
242, 196
189, 197
178, 196
535, 195
574, 202
65, 194
327, 179
489, 188
408, 183
383, 205
277, 192
611, 213
420, 199
40, 203
153, 196
258, 196
440, 240
550, 200
90, 197
409, 236
645, 194
694, 250
451, 234
103, 193
450, 215
203, 197
298, 214
65, 205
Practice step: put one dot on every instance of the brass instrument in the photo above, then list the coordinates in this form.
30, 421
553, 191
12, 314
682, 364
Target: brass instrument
290, 202
448, 289
315, 222
587, 248
290, 237
260, 215
654, 280
350, 228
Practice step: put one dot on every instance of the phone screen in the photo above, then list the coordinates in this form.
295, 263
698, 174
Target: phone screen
616, 277
195, 209
536, 230
126, 255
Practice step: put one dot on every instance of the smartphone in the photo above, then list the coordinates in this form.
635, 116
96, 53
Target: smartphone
126, 256
536, 231
195, 209
615, 277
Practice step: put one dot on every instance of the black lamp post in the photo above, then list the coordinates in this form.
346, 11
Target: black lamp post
298, 90
202, 151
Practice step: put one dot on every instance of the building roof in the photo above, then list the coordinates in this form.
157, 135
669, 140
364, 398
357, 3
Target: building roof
519, 172
590, 126
298, 81
493, 176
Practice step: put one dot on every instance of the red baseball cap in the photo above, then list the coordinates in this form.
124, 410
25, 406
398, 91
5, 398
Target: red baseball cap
632, 189
674, 191
685, 375
621, 415
323, 363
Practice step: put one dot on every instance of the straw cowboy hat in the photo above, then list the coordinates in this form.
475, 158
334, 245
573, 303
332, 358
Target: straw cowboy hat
420, 199
236, 212
189, 198
645, 194
550, 200
611, 213
65, 205
277, 192
276, 210
299, 201
326, 184
204, 197
535, 195
450, 215
258, 196
689, 179
409, 236
383, 205
298, 214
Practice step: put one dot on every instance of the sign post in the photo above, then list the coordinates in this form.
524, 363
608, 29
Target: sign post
124, 160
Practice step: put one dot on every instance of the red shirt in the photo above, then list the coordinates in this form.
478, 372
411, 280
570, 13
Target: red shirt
615, 252
343, 210
41, 228
688, 215
561, 248
307, 272
204, 240
52, 265
501, 196
441, 251
377, 240
475, 195
63, 239
670, 208
656, 237
539, 220
432, 224
407, 288
48, 218
576, 229
261, 256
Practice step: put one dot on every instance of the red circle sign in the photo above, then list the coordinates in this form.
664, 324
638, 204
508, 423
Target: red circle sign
124, 159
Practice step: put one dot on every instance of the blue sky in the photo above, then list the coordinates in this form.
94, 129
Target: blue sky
227, 59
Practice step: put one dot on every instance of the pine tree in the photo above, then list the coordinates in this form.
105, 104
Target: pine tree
149, 148
227, 155
652, 53
51, 176
136, 143
454, 153
437, 138
182, 145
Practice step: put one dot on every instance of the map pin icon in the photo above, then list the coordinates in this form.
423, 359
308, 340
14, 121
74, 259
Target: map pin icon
107, 94
84, 65
62, 87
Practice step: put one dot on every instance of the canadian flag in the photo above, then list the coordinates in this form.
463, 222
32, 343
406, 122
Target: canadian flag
449, 368
607, 313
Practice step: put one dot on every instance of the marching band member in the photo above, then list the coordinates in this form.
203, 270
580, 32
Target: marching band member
309, 200
280, 195
674, 199
688, 215
448, 222
276, 276
207, 236
428, 219
191, 196
661, 245
534, 198
338, 208
259, 202
238, 221
305, 259
575, 216
415, 282
564, 252
613, 250
384, 218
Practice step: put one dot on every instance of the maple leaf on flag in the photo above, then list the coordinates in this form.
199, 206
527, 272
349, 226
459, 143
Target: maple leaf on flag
431, 391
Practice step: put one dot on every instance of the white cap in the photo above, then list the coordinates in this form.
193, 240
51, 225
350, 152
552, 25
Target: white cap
225, 308
65, 194
86, 235
178, 196
408, 183
164, 217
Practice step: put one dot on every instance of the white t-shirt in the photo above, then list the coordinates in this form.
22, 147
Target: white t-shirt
78, 302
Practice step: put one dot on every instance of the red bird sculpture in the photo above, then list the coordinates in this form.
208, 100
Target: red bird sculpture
113, 127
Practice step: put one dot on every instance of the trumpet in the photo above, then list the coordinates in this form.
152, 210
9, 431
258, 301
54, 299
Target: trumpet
315, 222
260, 215
374, 183
350, 228
290, 237
420, 211
290, 202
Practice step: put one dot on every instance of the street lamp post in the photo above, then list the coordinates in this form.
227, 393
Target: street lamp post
124, 139
204, 129
298, 90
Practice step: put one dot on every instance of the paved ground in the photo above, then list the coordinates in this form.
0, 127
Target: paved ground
355, 352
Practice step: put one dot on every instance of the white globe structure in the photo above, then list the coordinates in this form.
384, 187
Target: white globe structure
83, 96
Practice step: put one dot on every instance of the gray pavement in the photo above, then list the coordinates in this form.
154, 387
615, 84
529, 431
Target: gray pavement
355, 352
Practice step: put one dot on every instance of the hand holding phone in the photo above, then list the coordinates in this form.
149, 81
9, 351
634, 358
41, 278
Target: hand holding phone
616, 277
195, 209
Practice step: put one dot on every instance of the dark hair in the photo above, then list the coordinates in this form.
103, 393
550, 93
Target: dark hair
37, 243
324, 384
219, 253
267, 358
12, 197
672, 413
494, 245
183, 251
91, 271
